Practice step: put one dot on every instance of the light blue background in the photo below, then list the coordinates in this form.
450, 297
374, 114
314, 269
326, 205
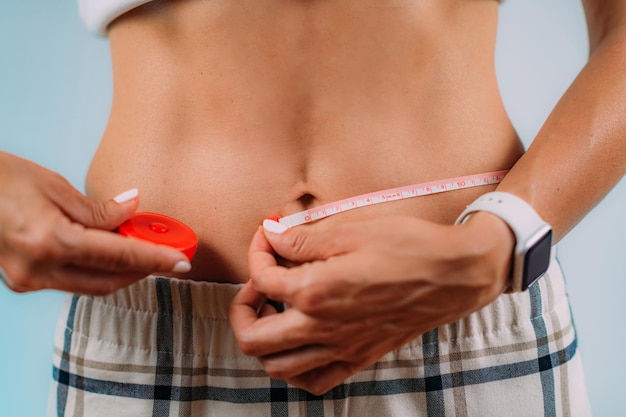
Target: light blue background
54, 98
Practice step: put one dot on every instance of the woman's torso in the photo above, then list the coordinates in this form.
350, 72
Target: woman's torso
228, 111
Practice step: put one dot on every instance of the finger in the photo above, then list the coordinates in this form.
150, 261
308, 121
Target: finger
291, 329
89, 282
305, 245
67, 278
306, 287
263, 265
260, 252
243, 314
262, 336
319, 368
321, 380
244, 307
267, 310
106, 251
10, 284
264, 268
294, 363
105, 215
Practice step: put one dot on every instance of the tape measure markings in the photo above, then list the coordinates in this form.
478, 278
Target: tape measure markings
392, 194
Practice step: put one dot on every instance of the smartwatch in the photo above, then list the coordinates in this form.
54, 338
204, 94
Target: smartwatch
533, 236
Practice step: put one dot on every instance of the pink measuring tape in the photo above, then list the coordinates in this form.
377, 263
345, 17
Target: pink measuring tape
392, 194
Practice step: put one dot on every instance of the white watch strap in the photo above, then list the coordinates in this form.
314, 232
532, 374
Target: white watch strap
523, 220
518, 214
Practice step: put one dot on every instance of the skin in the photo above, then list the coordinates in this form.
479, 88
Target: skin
254, 126
343, 316
53, 237
226, 112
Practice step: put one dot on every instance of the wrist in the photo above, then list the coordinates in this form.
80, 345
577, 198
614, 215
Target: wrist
490, 244
533, 236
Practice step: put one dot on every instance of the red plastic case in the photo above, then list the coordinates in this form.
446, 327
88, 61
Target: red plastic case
163, 230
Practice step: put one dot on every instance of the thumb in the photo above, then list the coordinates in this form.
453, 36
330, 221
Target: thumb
104, 215
303, 244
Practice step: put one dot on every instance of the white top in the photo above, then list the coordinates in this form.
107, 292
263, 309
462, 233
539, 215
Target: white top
98, 14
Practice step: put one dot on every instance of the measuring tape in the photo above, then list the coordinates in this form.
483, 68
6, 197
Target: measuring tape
392, 194
165, 230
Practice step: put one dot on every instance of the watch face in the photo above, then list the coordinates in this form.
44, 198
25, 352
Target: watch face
537, 260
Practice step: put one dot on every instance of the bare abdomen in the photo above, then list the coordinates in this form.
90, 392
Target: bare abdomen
225, 118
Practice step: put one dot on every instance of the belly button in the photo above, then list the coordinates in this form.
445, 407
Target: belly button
307, 200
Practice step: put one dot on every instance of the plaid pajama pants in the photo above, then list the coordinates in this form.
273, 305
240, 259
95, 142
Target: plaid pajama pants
164, 347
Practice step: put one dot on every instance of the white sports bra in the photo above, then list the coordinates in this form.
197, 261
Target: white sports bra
98, 14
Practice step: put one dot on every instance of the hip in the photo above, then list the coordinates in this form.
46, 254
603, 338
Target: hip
168, 343
223, 189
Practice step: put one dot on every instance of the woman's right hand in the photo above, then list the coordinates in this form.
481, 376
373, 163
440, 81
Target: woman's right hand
54, 237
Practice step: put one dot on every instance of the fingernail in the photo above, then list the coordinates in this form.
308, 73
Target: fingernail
274, 227
181, 267
126, 196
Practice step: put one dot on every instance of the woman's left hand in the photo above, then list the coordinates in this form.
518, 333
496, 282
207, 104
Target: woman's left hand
362, 289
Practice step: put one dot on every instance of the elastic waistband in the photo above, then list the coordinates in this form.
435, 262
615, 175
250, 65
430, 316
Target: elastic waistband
198, 299
205, 301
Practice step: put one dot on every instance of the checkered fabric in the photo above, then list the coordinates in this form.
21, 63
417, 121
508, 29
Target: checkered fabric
164, 347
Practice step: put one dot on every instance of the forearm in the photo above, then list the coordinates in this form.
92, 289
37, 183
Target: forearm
580, 152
